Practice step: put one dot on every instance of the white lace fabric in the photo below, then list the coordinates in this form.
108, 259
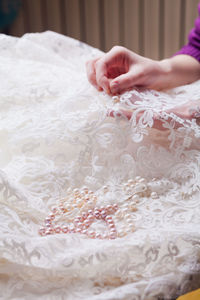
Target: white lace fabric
55, 133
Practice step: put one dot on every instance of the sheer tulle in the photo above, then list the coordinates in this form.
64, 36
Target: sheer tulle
56, 133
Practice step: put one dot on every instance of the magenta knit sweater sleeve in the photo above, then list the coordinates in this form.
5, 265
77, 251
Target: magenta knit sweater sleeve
193, 46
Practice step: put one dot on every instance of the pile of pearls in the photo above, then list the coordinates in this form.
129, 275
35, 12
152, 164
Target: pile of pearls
79, 210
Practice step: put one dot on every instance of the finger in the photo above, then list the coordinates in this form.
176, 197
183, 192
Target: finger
91, 73
101, 75
127, 81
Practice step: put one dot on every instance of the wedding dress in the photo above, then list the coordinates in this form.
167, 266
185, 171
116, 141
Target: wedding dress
57, 137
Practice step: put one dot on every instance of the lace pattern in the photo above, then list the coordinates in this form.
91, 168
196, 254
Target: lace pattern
55, 133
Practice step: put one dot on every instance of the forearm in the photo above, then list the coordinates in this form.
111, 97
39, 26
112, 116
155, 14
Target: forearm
180, 70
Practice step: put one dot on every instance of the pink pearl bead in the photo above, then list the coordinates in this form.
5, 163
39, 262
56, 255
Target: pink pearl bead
78, 230
84, 231
113, 236
104, 236
49, 231
98, 236
72, 229
107, 218
52, 216
76, 221
87, 223
109, 207
47, 220
97, 215
91, 234
84, 215
42, 231
65, 229
103, 214
57, 229
54, 209
115, 206
90, 218
80, 225
90, 212
112, 225
110, 221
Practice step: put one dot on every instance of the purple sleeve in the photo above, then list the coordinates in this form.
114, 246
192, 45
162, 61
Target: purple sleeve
193, 46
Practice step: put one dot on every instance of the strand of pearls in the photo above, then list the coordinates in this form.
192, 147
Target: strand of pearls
79, 210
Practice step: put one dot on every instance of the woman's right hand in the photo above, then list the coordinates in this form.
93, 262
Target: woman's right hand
121, 69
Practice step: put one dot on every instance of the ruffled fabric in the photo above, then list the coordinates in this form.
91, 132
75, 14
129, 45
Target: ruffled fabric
56, 134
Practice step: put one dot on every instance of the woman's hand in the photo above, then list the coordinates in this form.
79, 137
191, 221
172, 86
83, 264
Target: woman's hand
121, 69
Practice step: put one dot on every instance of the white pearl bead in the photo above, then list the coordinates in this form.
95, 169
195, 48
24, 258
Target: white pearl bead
127, 216
135, 198
130, 181
121, 233
142, 180
154, 195
98, 236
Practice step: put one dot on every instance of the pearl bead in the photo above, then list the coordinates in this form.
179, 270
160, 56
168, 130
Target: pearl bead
112, 225
154, 195
91, 234
130, 182
49, 231
52, 216
107, 218
105, 189
79, 225
54, 209
42, 231
87, 223
115, 206
127, 216
104, 236
135, 198
98, 236
112, 236
90, 218
76, 220
76, 191
57, 229
103, 214
85, 188
133, 208
65, 229
47, 220
71, 228
84, 215
68, 207
121, 233
109, 207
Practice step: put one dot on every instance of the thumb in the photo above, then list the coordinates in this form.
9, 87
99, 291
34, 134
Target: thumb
125, 81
